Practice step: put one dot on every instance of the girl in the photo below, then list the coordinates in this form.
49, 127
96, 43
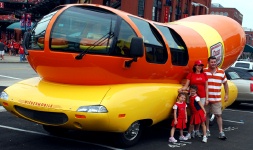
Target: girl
198, 113
180, 118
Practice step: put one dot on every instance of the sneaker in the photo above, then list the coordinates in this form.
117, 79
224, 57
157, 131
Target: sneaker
188, 136
172, 140
183, 138
208, 133
193, 134
204, 139
222, 136
198, 134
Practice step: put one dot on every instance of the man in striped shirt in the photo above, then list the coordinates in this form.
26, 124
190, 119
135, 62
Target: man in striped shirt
216, 77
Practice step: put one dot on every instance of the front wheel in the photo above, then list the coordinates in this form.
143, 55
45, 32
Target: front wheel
131, 136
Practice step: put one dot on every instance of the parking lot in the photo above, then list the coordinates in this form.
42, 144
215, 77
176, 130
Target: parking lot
19, 134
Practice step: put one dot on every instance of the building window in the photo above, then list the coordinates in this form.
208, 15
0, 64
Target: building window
156, 11
178, 10
106, 2
141, 7
168, 3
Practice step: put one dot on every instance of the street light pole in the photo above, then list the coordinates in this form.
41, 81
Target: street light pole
198, 4
25, 14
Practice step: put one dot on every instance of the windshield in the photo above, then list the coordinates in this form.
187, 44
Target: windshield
77, 29
85, 30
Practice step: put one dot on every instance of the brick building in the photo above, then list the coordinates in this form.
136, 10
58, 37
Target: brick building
156, 10
230, 12
249, 36
248, 49
161, 10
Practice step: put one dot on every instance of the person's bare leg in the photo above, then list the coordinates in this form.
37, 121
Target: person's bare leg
172, 131
207, 121
219, 122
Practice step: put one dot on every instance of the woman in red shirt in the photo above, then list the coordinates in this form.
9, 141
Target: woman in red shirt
198, 78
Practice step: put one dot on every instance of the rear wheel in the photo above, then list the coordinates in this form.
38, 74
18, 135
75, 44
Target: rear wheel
131, 136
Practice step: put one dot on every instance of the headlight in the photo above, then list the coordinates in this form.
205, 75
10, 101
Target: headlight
4, 96
93, 109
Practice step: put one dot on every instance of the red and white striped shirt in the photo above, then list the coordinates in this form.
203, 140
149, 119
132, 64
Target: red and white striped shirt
215, 81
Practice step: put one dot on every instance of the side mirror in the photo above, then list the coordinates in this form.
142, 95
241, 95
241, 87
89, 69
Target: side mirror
136, 50
25, 43
137, 47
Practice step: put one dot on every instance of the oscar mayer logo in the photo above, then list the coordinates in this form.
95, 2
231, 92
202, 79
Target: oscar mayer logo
217, 51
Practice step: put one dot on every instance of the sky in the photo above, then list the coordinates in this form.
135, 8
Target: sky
245, 7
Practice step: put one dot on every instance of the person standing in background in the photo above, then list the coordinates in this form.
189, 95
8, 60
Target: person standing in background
16, 46
11, 48
2, 50
21, 53
216, 77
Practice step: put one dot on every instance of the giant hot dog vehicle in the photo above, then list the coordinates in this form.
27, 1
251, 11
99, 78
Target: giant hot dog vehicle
102, 69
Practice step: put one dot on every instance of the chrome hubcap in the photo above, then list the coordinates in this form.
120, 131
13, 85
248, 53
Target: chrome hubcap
132, 131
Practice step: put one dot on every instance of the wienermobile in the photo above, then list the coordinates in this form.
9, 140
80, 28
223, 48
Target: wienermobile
102, 69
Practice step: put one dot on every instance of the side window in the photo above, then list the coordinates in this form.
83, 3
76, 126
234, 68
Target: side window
178, 49
233, 76
155, 54
126, 33
38, 33
155, 47
242, 65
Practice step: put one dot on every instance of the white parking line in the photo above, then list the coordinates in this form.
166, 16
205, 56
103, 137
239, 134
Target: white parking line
10, 77
240, 111
34, 132
9, 81
233, 121
2, 109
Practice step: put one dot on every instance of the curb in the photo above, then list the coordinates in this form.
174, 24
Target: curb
12, 59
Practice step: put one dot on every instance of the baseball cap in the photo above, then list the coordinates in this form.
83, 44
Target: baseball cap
198, 62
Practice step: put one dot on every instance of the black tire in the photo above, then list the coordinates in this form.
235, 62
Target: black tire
236, 103
54, 130
131, 136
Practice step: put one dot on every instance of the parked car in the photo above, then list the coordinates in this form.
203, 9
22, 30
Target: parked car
243, 73
245, 87
243, 64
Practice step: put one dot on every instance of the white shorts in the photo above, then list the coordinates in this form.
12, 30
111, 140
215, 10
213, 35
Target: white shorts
2, 52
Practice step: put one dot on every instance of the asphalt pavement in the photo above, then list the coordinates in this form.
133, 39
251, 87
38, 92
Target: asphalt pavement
11, 59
